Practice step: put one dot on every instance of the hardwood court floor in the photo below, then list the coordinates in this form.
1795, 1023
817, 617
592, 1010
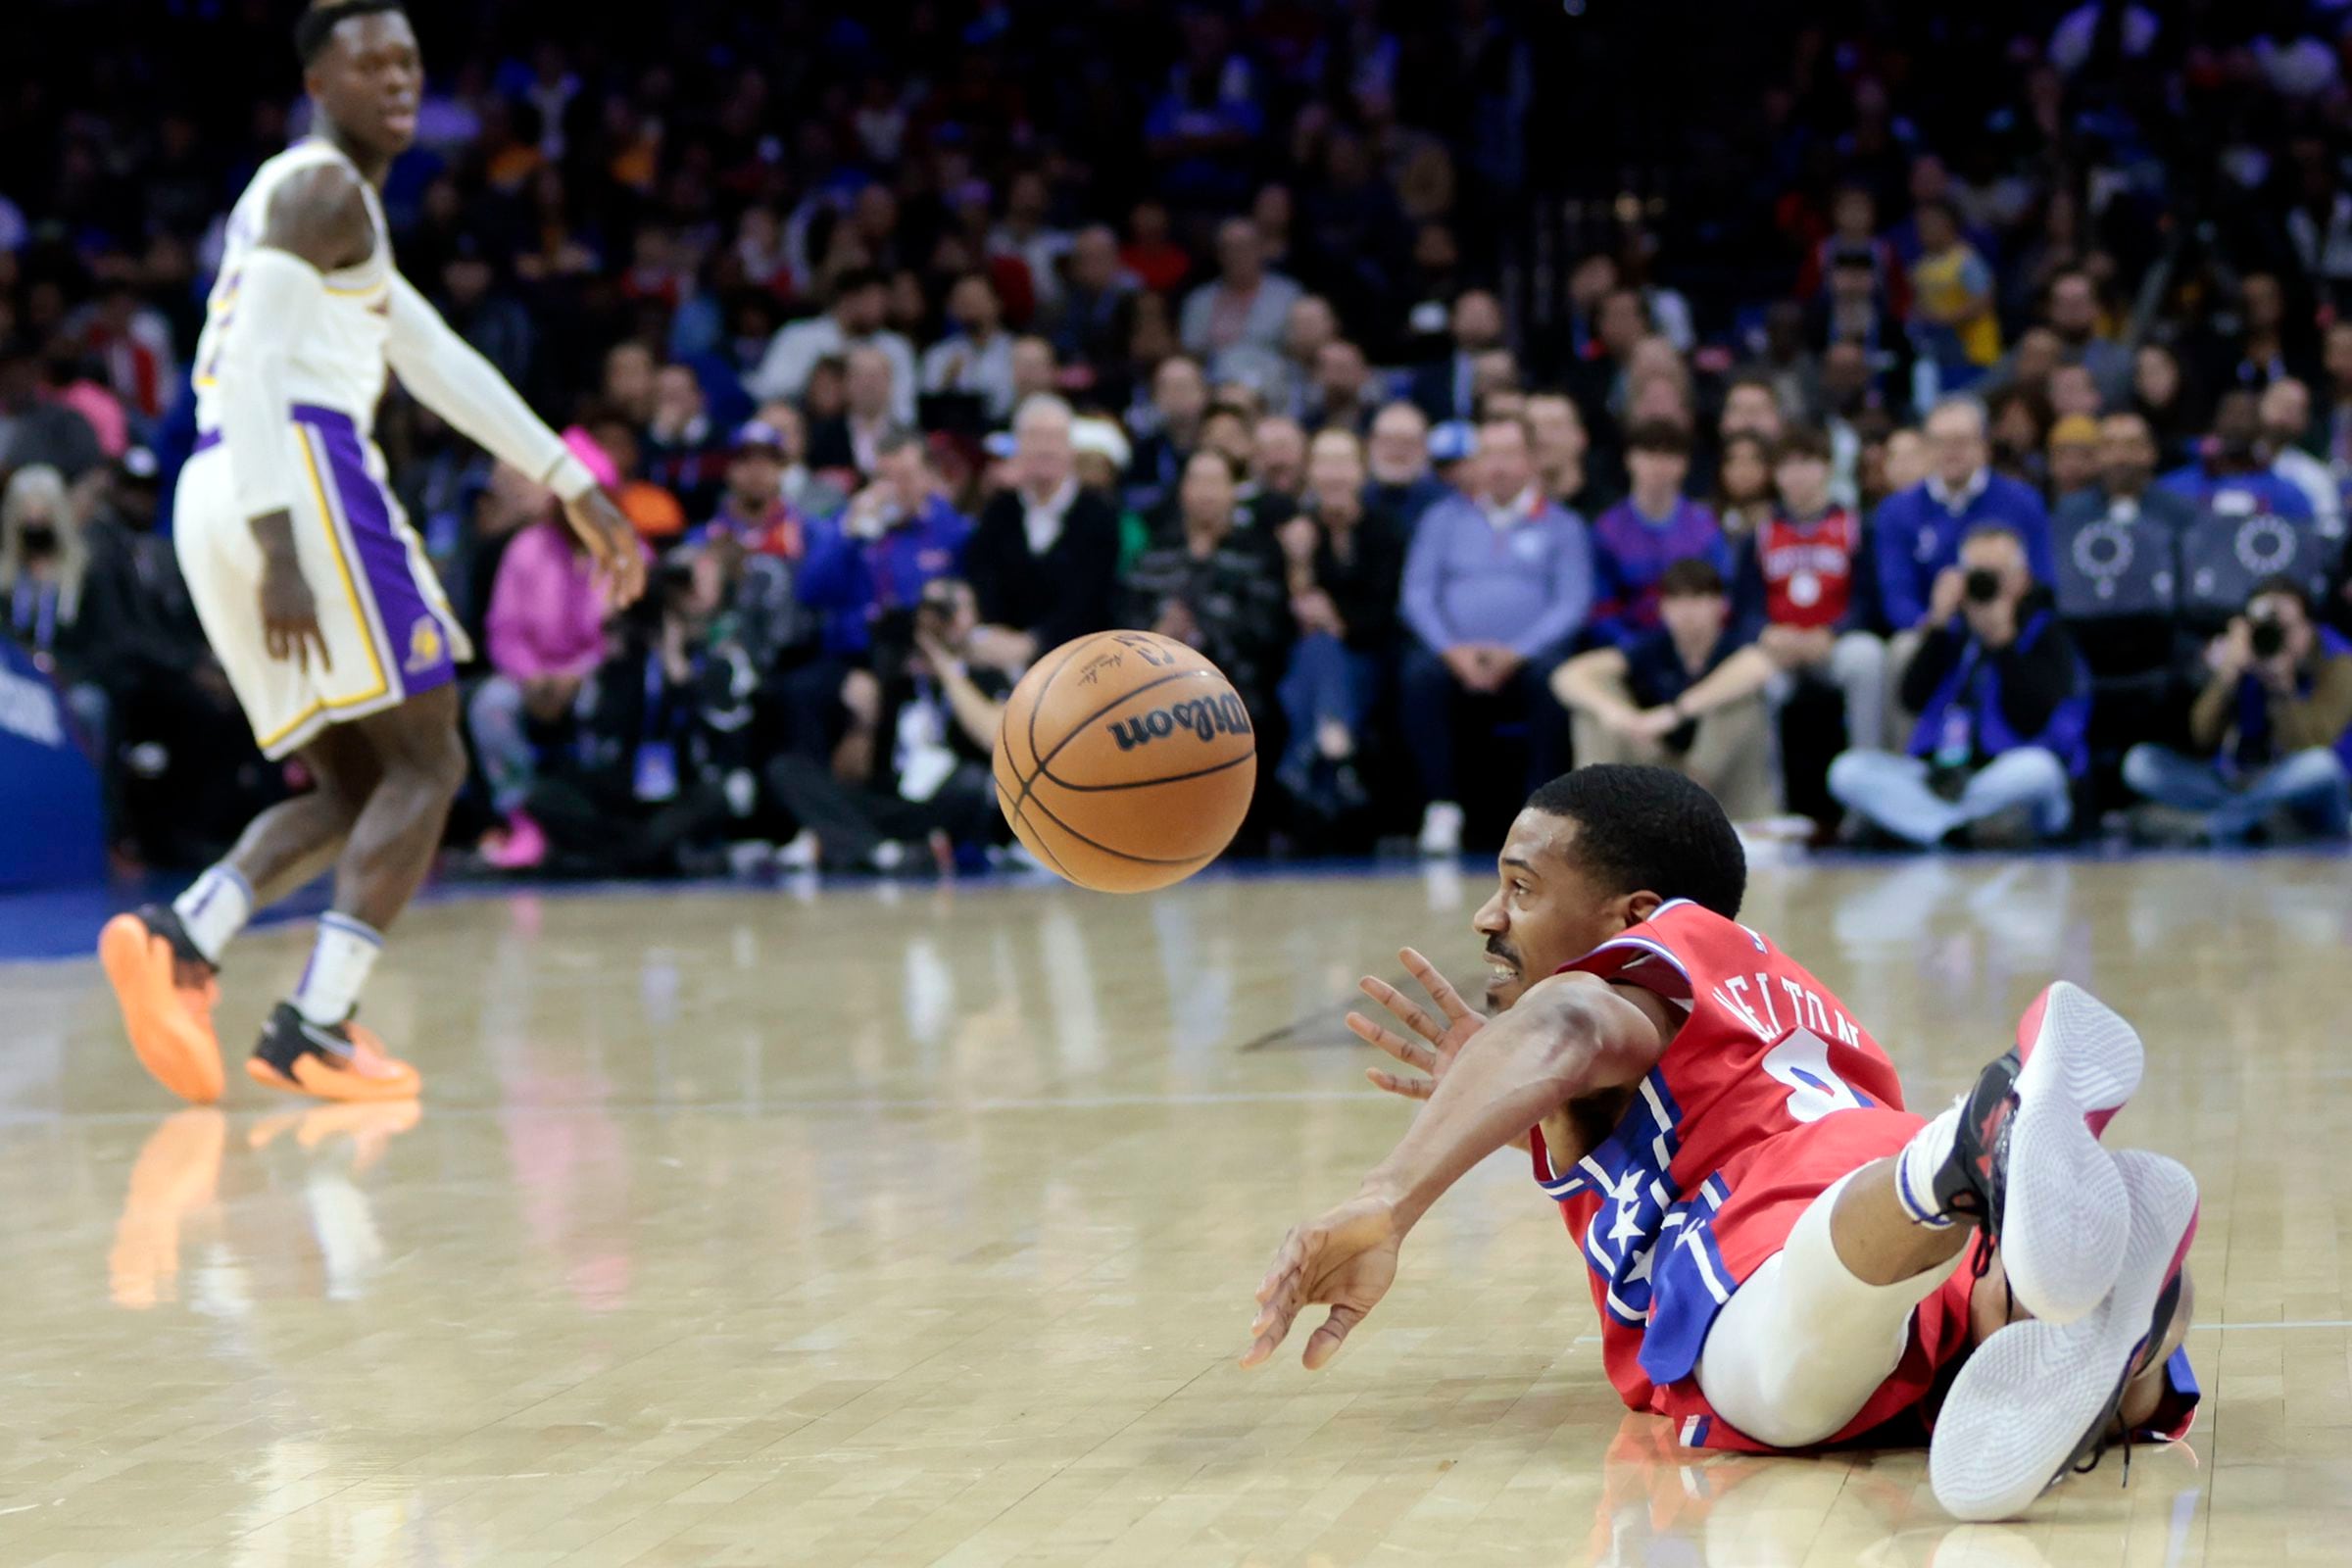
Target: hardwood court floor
921, 1227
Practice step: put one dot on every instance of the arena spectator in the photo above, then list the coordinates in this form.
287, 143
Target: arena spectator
1167, 431
1278, 463
2071, 308
1744, 500
1497, 585
975, 360
1557, 428
803, 489
1214, 587
1447, 388
929, 789
2285, 411
895, 538
845, 446
35, 431
2162, 396
854, 318
1398, 455
1917, 532
1042, 560
683, 451
2272, 731
1687, 694
1801, 582
1953, 314
2003, 707
1655, 526
2230, 473
1234, 324
2071, 460
1340, 393
1343, 567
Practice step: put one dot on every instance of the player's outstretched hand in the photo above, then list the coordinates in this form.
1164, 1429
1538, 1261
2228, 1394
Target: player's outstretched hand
619, 558
1344, 1260
1445, 1037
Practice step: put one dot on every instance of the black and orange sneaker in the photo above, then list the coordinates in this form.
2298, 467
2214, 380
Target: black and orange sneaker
166, 989
343, 1063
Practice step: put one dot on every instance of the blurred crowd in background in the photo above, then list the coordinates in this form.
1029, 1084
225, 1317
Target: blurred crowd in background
1923, 428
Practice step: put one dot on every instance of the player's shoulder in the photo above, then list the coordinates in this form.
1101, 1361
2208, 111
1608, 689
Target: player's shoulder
1683, 922
317, 207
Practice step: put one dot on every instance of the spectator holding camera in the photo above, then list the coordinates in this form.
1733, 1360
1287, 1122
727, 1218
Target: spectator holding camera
1688, 695
2273, 727
1918, 530
896, 536
2003, 704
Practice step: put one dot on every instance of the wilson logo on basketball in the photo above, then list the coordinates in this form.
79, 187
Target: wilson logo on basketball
1206, 718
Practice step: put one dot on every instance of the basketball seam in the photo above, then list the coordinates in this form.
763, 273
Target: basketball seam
1046, 759
1145, 783
1140, 859
1018, 812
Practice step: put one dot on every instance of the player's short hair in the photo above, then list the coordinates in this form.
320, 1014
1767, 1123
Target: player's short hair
1649, 830
317, 26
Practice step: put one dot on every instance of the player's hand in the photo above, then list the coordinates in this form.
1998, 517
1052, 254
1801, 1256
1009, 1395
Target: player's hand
1345, 1260
1442, 1037
619, 558
289, 615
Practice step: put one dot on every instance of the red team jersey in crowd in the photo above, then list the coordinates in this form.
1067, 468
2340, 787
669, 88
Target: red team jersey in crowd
1809, 573
1769, 1093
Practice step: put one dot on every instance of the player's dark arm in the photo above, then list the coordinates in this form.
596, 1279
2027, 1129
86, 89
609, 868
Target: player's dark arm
1570, 1036
317, 222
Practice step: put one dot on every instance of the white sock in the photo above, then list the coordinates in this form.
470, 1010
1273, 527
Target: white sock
215, 908
338, 968
1916, 1166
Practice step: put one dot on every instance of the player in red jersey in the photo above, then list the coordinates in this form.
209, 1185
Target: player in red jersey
1778, 1250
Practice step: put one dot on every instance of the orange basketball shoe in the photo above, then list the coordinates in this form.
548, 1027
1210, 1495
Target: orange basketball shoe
166, 990
344, 1062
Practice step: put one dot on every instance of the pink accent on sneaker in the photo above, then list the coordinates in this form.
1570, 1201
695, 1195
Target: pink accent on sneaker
2029, 1030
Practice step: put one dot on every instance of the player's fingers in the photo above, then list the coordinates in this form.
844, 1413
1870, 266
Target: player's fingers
1408, 1088
1408, 1012
1441, 990
1325, 1342
1411, 1052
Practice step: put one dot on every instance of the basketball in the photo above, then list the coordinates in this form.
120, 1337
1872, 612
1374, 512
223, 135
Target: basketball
1126, 762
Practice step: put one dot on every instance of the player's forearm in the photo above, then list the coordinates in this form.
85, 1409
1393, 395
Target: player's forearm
1550, 1047
276, 293
448, 376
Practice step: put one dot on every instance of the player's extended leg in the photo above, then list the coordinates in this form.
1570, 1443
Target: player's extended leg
163, 959
309, 1044
1808, 1339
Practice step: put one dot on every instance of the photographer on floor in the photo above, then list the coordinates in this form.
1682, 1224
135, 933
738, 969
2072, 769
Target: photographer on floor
2275, 722
2004, 706
925, 782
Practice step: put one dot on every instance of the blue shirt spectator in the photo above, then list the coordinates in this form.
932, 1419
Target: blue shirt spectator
2228, 475
1917, 532
895, 537
1512, 570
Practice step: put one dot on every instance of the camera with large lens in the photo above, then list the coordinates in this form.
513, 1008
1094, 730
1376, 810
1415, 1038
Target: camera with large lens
1982, 585
2268, 637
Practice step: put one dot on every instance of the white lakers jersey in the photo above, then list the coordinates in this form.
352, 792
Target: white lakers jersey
338, 363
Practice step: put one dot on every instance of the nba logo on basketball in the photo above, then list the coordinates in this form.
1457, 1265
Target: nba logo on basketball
427, 645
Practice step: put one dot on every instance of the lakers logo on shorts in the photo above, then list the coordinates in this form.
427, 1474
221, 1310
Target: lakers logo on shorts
427, 648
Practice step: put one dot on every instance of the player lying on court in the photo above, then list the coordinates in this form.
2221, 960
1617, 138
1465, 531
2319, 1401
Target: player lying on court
1782, 1255
312, 587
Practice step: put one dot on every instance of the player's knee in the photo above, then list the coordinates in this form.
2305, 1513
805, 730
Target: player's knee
438, 767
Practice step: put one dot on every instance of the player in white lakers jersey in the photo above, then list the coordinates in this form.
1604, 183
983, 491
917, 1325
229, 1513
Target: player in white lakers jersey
312, 587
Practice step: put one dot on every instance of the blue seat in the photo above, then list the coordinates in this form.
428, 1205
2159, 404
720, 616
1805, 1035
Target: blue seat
2109, 567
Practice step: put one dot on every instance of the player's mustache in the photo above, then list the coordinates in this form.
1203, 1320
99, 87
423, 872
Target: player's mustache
1497, 948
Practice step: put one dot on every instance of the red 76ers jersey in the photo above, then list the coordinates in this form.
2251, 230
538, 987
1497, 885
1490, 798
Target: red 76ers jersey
1686, 1195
